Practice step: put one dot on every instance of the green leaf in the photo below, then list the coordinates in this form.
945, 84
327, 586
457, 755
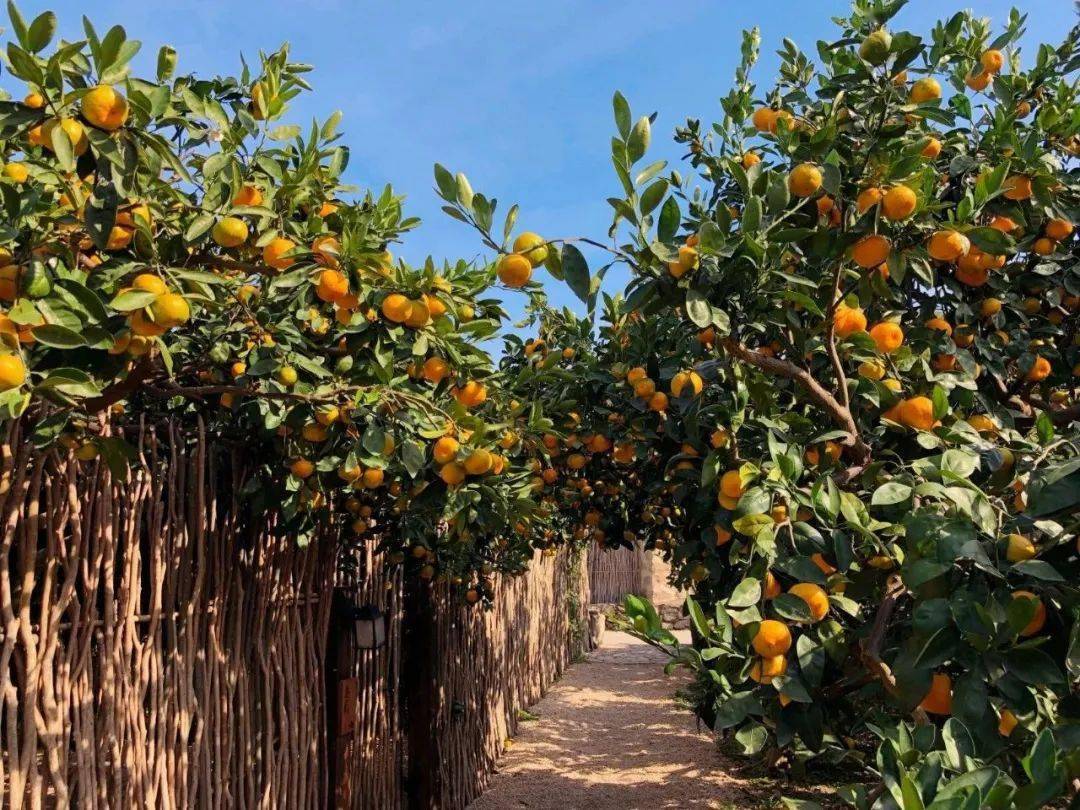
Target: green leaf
792, 608
41, 32
890, 493
58, 337
638, 141
132, 299
622, 114
576, 271
750, 525
670, 218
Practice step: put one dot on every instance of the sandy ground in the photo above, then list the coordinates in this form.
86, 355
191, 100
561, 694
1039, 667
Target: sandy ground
609, 735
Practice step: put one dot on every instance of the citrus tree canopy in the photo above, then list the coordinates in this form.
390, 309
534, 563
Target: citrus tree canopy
839, 395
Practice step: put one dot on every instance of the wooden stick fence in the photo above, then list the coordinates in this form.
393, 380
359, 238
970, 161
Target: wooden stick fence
615, 573
158, 651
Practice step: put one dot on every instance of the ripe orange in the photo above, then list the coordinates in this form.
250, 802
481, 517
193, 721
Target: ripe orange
1002, 223
926, 89
274, 253
871, 250
978, 81
514, 270
868, 198
332, 286
764, 119
992, 61
533, 247
326, 249
658, 401
731, 485
1043, 246
814, 596
479, 462
939, 699
396, 308
939, 324
1058, 229
804, 180
248, 195
148, 282
471, 394
301, 468
688, 381
899, 203
119, 238
230, 232
1039, 371
917, 413
1019, 548
452, 474
143, 326
947, 246
887, 336
765, 669
1006, 723
772, 638
170, 309
445, 449
750, 159
16, 172
1017, 187
848, 320
12, 371
932, 149
435, 369
771, 585
105, 108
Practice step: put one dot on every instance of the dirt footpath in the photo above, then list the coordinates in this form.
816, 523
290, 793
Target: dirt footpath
609, 736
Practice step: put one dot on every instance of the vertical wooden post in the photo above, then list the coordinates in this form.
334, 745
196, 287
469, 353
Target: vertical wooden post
419, 701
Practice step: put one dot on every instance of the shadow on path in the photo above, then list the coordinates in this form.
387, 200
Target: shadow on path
609, 736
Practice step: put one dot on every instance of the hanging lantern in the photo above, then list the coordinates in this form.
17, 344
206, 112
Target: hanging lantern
369, 625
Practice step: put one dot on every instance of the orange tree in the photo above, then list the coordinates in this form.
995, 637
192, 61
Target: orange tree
171, 247
839, 394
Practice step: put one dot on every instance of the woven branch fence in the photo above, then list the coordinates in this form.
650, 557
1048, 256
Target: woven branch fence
615, 573
158, 651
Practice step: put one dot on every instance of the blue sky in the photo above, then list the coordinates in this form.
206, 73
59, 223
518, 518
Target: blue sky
517, 95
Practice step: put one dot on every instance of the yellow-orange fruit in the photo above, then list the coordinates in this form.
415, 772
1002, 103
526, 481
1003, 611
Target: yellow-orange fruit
772, 638
848, 320
105, 108
814, 596
514, 270
274, 253
887, 336
917, 413
947, 246
926, 89
870, 251
1039, 371
804, 180
1017, 187
731, 484
939, 699
899, 203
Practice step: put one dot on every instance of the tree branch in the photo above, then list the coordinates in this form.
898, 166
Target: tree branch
840, 414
